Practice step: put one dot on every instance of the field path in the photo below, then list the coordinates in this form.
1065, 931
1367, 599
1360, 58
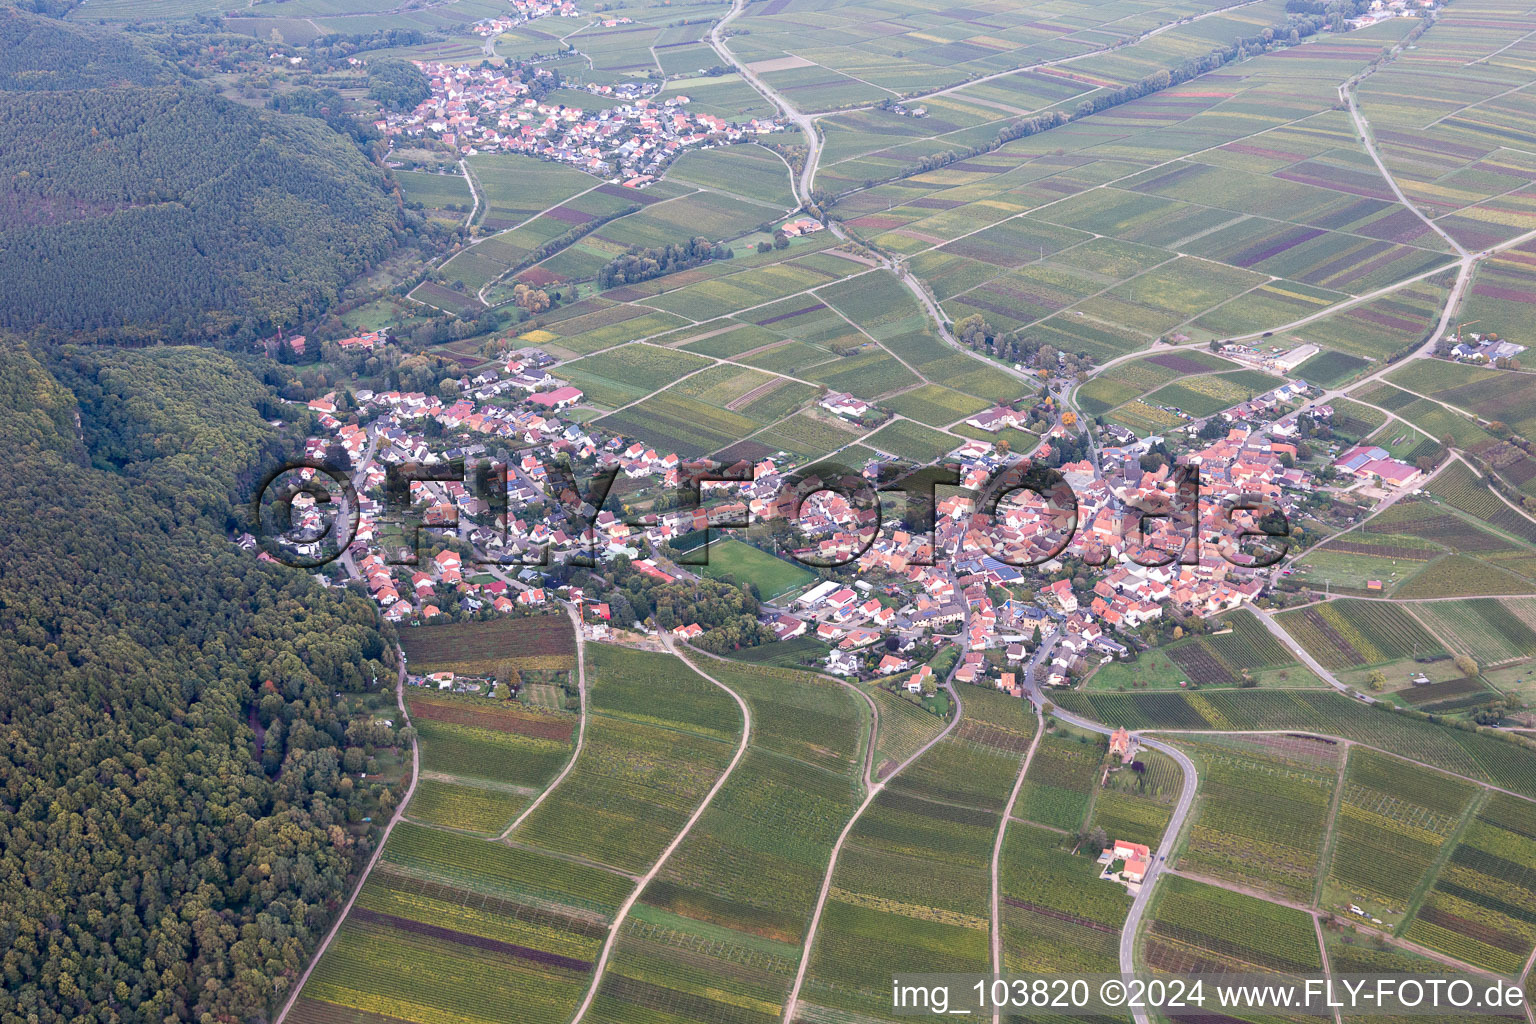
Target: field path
997, 848
394, 819
581, 727
474, 193
826, 881
1322, 952
634, 895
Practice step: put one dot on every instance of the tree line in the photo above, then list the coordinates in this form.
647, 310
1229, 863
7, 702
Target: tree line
643, 264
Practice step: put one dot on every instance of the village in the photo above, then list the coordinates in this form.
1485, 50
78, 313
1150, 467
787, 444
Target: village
1020, 597
480, 109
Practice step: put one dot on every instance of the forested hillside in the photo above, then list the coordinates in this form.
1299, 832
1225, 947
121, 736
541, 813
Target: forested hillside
43, 53
167, 211
175, 821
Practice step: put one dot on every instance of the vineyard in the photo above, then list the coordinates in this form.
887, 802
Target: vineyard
533, 642
904, 727
1223, 659
1345, 634
1463, 576
977, 764
483, 761
1133, 818
1419, 808
457, 928
1199, 928
657, 738
723, 923
1486, 628
1461, 488
889, 894
1061, 778
1446, 696
1261, 815
1482, 907
1057, 916
1504, 762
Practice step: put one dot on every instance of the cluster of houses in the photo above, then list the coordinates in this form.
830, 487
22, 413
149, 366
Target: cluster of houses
524, 11
903, 594
1385, 10
1481, 348
480, 109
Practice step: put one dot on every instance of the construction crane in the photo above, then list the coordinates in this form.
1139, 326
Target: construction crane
1459, 326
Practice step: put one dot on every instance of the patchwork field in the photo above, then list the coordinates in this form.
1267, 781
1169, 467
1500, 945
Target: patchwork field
886, 900
1499, 760
1262, 813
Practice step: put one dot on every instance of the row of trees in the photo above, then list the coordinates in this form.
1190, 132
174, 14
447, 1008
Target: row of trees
643, 264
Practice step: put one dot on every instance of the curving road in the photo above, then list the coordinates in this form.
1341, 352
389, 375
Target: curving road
618, 919
1181, 809
790, 1004
581, 727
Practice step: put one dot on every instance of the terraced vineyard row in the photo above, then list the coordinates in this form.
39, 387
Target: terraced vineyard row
1261, 815
915, 871
451, 926
1499, 760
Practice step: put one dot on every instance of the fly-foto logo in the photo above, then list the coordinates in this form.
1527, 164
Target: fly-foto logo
316, 526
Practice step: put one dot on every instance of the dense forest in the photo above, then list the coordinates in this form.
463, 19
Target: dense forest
44, 53
397, 84
179, 805
179, 214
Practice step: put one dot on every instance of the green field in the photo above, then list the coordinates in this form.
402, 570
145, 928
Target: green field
1262, 813
1499, 760
886, 898
1224, 930
1238, 651
723, 922
657, 738
532, 642
742, 563
1383, 795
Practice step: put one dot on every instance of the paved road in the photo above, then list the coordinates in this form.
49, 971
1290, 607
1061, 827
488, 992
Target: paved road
1181, 809
1305, 657
826, 882
394, 819
474, 193
618, 919
803, 122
